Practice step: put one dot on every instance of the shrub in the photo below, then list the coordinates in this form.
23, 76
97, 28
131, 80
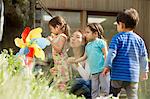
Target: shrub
15, 84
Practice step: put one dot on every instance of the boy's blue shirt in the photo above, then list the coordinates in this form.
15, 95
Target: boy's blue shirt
95, 56
127, 52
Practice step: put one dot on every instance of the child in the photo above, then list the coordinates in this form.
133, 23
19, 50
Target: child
95, 52
58, 40
127, 52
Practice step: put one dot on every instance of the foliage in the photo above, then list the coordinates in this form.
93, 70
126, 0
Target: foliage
17, 15
9, 65
17, 12
17, 84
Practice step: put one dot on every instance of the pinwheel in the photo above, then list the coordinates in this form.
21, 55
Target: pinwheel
31, 44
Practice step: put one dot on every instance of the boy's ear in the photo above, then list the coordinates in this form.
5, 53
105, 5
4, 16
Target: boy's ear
122, 25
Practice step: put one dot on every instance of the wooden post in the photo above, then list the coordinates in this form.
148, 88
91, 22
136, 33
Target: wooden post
83, 18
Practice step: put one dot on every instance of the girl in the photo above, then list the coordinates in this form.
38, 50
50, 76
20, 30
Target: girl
58, 39
95, 53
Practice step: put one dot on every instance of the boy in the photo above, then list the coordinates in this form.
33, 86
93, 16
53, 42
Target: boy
127, 56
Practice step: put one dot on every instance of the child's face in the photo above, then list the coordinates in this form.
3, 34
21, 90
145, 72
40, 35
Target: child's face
53, 30
120, 27
89, 34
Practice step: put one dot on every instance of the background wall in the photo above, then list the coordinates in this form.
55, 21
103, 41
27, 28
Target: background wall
142, 6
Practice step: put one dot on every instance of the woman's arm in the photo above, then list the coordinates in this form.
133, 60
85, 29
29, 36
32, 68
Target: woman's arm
83, 71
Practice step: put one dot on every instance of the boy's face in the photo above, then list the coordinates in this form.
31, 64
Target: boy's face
120, 27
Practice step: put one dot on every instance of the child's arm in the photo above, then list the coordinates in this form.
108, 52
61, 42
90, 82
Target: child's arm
71, 60
77, 66
144, 68
143, 61
104, 50
84, 57
108, 63
58, 45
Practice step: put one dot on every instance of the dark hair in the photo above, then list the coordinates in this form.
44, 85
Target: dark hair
129, 17
58, 20
96, 27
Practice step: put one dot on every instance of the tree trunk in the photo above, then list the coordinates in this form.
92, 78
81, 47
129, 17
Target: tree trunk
18, 15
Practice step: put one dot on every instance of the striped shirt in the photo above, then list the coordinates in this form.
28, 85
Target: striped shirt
127, 48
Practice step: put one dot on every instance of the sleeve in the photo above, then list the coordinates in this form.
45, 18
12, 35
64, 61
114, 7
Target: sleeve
143, 50
143, 58
102, 43
114, 44
110, 57
83, 72
144, 64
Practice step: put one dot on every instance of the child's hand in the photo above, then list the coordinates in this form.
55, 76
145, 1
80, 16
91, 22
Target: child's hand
144, 76
53, 35
105, 71
62, 86
71, 60
50, 38
53, 71
77, 65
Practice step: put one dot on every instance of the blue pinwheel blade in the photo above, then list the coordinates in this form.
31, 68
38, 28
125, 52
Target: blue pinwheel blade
42, 42
23, 51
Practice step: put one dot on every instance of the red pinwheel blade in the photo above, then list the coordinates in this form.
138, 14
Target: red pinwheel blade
25, 33
31, 52
29, 57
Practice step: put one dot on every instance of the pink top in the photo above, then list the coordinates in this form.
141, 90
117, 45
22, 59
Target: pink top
60, 61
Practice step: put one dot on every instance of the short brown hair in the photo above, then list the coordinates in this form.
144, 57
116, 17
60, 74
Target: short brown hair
129, 17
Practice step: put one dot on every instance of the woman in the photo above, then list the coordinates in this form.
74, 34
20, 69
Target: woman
81, 85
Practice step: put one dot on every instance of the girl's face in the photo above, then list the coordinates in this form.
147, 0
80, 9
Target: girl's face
54, 30
76, 40
89, 34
